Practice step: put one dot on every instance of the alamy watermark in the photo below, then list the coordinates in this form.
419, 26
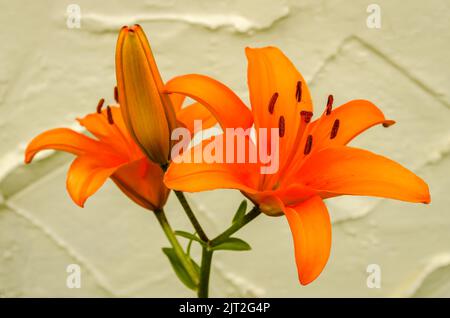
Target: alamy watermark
373, 20
234, 146
374, 278
73, 12
73, 280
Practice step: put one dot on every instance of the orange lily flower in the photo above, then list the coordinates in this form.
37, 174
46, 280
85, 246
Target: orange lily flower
149, 114
112, 154
314, 161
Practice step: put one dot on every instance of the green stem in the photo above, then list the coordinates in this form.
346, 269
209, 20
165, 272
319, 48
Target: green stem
205, 271
191, 216
184, 259
235, 227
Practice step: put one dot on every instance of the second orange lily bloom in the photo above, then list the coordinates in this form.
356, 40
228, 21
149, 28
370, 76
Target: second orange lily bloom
132, 140
314, 161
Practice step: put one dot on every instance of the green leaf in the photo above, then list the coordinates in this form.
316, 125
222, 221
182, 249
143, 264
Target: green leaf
189, 236
232, 244
188, 248
179, 269
240, 212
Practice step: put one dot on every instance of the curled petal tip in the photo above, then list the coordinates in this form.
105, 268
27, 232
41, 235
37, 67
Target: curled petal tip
305, 281
427, 199
29, 155
81, 204
388, 123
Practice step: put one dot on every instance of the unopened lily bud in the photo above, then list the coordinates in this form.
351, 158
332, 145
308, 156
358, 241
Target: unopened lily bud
147, 111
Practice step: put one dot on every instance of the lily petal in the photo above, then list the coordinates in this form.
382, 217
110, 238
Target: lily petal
186, 173
271, 202
148, 113
86, 175
269, 72
98, 125
114, 134
354, 117
63, 139
142, 182
344, 170
225, 105
311, 230
191, 177
196, 111
177, 101
278, 95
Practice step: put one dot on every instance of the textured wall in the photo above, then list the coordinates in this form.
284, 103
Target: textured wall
51, 74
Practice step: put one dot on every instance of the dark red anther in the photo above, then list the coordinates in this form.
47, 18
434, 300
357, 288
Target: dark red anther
281, 126
298, 92
109, 115
308, 145
272, 102
307, 115
388, 123
100, 105
116, 94
334, 129
329, 104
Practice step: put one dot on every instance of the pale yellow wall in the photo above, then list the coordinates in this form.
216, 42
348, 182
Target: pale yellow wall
50, 74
